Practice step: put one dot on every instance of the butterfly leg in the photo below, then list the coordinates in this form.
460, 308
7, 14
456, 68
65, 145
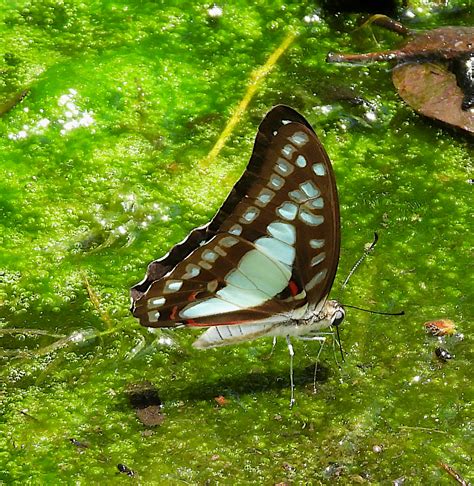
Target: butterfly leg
292, 384
265, 358
322, 340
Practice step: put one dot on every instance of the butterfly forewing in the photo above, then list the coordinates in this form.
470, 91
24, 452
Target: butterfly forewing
269, 254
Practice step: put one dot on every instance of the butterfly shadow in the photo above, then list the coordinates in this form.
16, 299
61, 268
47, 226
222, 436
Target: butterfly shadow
253, 382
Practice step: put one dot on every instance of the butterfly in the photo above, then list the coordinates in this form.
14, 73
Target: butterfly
265, 264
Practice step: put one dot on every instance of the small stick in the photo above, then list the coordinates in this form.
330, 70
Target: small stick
387, 23
453, 474
256, 78
367, 57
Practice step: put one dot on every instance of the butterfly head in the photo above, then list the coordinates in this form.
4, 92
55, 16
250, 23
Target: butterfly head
335, 312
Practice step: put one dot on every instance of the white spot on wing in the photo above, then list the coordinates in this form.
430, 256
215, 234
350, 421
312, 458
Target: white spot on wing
297, 196
288, 210
153, 316
301, 161
283, 167
265, 196
235, 230
243, 298
209, 255
309, 189
318, 259
191, 271
287, 151
319, 169
318, 278
236, 278
268, 275
276, 181
249, 215
310, 218
220, 250
172, 286
205, 265
316, 203
157, 302
283, 231
316, 243
299, 138
229, 241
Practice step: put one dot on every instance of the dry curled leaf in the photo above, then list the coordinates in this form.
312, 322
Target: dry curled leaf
434, 71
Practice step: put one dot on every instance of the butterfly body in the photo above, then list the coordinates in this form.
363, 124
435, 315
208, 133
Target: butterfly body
264, 265
309, 324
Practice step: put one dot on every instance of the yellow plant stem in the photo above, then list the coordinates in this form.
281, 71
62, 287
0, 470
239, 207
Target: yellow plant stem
256, 78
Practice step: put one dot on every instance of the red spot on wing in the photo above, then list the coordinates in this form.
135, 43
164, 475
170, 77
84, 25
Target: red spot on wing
173, 313
192, 296
293, 288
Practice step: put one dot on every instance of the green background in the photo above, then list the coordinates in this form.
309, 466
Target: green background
102, 171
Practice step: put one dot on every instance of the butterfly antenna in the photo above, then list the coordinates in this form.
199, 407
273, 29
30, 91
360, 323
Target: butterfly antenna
340, 343
361, 259
401, 313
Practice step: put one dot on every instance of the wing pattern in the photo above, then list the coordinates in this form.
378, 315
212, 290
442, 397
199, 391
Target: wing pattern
271, 252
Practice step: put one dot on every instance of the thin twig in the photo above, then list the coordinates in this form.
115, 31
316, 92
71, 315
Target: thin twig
455, 475
424, 429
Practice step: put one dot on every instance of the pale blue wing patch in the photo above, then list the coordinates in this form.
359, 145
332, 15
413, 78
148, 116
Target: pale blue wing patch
275, 248
319, 277
258, 279
316, 243
319, 169
285, 232
299, 139
310, 218
208, 307
287, 210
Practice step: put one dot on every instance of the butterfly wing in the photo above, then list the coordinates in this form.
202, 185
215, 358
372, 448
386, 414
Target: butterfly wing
269, 255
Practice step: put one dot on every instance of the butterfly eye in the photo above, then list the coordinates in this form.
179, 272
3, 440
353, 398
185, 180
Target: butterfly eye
338, 317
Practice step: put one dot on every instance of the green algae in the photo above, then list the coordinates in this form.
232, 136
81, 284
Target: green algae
135, 95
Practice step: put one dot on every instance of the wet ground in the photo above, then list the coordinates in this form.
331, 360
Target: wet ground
110, 113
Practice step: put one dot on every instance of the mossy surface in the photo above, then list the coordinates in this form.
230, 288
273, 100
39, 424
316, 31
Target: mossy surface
108, 111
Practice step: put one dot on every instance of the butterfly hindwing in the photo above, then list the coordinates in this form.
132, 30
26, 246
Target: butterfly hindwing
270, 252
